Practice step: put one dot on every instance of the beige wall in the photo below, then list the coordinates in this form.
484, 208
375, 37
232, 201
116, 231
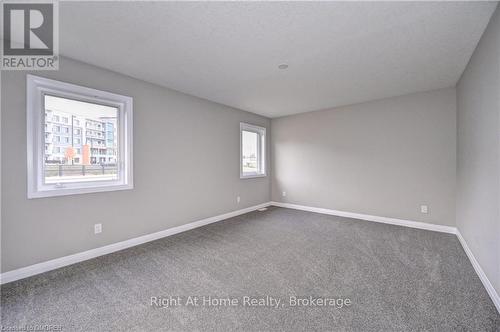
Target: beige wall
478, 173
186, 167
382, 158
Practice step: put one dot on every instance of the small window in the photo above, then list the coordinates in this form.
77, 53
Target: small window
252, 151
65, 119
76, 170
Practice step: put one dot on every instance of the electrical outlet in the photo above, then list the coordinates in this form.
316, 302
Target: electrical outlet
238, 199
97, 228
424, 209
283, 194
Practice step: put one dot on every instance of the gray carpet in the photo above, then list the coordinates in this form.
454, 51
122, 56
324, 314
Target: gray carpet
397, 279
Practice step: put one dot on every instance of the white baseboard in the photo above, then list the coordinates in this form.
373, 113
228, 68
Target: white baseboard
53, 264
479, 271
385, 220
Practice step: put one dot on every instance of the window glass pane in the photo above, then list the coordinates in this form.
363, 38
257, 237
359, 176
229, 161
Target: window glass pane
249, 152
84, 154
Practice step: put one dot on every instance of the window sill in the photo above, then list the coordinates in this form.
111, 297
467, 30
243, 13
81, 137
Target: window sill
76, 191
252, 176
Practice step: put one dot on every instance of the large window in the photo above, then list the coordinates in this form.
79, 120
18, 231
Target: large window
67, 166
252, 151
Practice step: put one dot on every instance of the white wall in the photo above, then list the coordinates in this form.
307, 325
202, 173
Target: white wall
382, 158
186, 167
478, 157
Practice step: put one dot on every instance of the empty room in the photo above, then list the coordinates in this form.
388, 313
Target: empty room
250, 166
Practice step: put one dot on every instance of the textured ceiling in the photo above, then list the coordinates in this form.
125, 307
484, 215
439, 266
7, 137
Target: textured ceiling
338, 52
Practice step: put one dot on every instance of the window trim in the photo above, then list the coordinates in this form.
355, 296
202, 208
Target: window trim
261, 150
37, 87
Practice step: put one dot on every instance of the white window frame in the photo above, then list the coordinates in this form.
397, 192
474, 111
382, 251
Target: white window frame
261, 151
37, 88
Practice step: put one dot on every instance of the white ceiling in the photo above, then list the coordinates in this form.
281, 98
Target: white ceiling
338, 53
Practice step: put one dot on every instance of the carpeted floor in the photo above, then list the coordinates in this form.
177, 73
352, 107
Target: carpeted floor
382, 277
